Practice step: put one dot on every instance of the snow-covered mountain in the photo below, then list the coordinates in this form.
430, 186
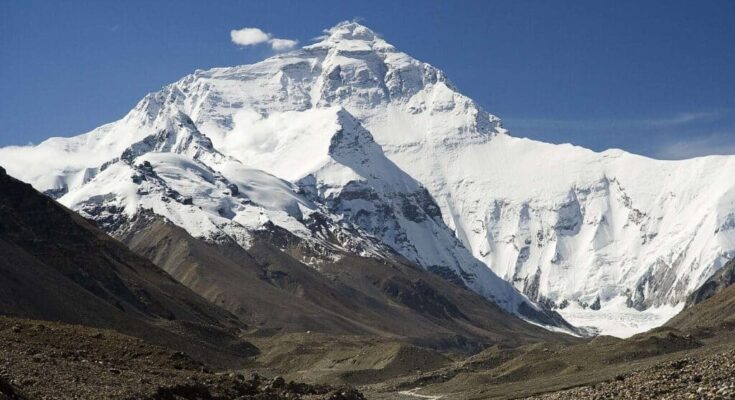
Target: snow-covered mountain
355, 146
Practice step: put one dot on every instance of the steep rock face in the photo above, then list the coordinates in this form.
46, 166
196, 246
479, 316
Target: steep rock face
718, 282
358, 182
569, 227
711, 306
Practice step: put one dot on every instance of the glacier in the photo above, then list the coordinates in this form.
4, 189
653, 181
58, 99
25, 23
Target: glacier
382, 151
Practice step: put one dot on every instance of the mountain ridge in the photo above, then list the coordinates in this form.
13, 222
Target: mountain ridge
567, 227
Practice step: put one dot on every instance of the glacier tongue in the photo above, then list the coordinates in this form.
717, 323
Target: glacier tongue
382, 145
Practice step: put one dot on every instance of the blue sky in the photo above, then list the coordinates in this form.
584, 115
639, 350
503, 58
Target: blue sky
656, 78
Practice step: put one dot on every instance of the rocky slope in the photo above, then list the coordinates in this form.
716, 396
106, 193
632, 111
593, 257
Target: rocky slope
612, 240
57, 266
709, 377
270, 289
712, 306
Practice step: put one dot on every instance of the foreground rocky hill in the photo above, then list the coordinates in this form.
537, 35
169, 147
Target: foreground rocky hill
57, 266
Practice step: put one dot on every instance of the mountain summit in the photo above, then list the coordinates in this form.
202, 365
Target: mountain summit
355, 147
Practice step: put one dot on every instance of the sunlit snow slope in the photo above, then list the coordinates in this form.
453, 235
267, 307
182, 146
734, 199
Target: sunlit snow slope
384, 146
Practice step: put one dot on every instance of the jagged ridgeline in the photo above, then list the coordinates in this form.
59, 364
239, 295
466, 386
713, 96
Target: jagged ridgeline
352, 147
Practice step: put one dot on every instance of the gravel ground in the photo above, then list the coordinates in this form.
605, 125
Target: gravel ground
46, 360
709, 377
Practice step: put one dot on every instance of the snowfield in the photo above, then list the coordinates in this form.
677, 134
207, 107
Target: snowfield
384, 147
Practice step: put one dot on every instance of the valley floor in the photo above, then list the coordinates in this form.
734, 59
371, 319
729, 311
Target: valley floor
48, 360
659, 365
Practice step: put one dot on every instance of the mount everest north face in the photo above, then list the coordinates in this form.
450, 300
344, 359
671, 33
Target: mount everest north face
353, 146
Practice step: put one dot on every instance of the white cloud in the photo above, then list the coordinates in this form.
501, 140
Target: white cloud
283, 44
255, 36
248, 36
714, 144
